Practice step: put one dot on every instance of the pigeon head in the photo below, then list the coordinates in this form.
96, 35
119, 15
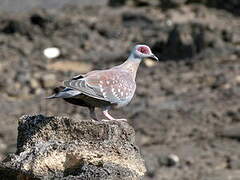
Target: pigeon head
142, 52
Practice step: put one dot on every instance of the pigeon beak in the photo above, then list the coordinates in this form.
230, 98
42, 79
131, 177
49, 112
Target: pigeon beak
152, 56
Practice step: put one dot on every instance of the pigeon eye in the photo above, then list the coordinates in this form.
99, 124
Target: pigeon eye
143, 50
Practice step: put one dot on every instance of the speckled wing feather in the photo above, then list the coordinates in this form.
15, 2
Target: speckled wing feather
114, 85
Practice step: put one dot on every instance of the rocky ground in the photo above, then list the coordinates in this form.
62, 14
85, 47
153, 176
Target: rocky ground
187, 105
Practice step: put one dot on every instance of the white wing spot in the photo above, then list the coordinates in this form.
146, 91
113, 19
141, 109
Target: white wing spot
114, 92
121, 93
107, 82
100, 82
119, 90
104, 94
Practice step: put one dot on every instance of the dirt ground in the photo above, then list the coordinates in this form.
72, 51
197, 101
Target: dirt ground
186, 106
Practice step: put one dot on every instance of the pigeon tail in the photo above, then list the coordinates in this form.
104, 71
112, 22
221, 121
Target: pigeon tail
66, 93
51, 97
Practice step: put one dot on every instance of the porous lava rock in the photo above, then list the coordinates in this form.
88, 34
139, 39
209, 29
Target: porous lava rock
63, 148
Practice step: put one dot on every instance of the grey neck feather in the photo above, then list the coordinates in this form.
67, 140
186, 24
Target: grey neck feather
134, 57
131, 64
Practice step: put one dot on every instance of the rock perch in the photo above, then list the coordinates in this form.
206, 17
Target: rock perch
61, 148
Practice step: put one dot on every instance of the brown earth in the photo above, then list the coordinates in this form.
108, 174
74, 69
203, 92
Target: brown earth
186, 105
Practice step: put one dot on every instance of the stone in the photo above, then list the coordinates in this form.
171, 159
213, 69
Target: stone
231, 132
3, 148
48, 80
237, 79
146, 2
173, 160
172, 3
222, 175
116, 3
51, 52
34, 83
66, 66
170, 160
63, 148
231, 5
234, 162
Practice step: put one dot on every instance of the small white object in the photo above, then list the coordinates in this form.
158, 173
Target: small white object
169, 22
104, 94
173, 159
238, 79
51, 52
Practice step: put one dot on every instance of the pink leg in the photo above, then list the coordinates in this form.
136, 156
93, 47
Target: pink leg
93, 114
107, 115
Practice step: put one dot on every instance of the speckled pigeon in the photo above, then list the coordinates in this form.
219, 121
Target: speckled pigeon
106, 89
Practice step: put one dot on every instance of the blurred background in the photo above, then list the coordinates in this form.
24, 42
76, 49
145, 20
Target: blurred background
186, 110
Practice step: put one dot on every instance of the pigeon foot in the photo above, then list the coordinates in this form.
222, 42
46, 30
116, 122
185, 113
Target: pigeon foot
125, 120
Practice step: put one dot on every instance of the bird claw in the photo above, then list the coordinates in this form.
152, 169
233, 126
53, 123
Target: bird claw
121, 120
106, 120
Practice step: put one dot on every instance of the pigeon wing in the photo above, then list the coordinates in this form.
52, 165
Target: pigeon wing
82, 86
111, 85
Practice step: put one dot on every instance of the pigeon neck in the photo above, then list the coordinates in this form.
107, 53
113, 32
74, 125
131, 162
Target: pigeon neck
131, 65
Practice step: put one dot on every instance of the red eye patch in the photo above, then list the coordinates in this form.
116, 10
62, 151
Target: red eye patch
143, 50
